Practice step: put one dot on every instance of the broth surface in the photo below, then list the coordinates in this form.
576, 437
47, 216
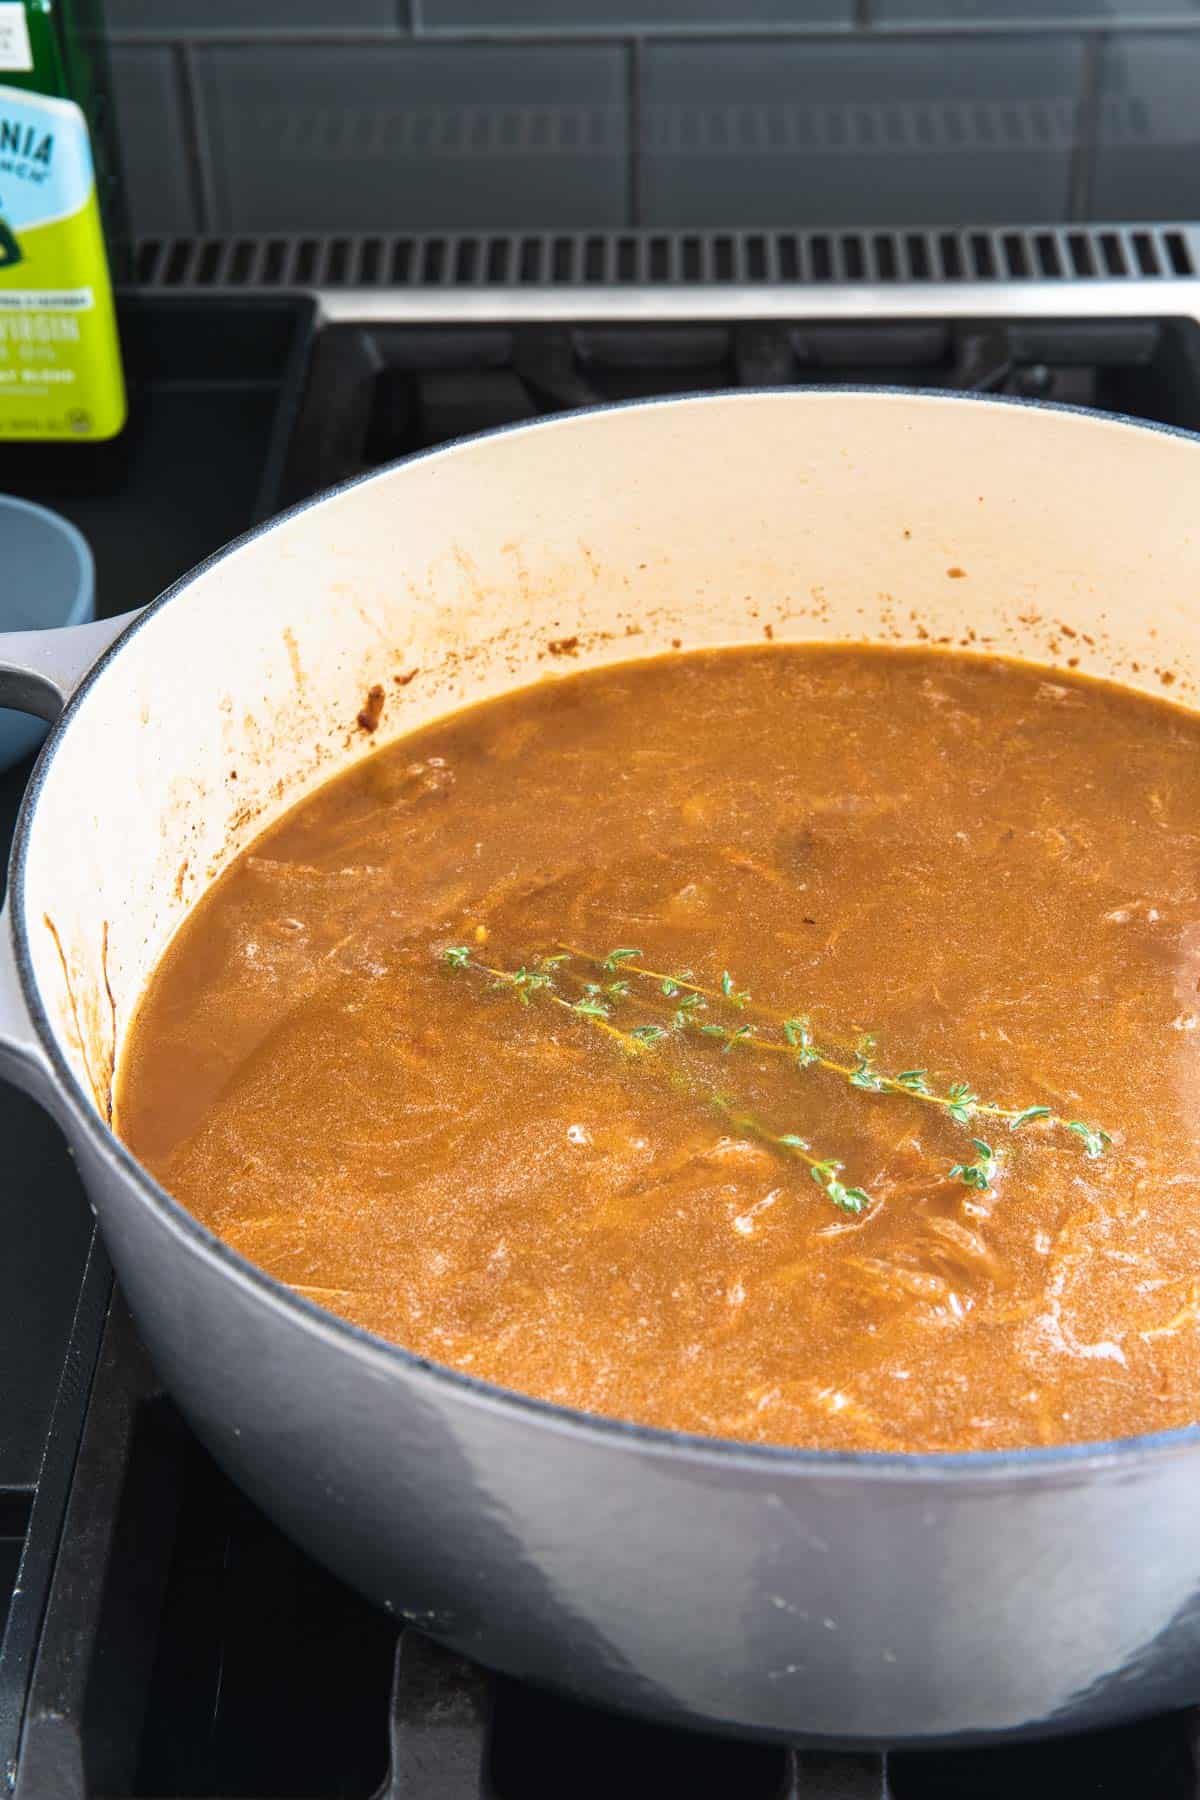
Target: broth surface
992, 870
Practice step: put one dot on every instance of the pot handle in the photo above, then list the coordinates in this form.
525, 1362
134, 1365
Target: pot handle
23, 1061
40, 670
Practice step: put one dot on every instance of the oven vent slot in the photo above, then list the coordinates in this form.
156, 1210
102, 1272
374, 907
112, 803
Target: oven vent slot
563, 260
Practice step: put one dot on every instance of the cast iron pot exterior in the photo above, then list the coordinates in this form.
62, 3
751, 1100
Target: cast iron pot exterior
814, 1595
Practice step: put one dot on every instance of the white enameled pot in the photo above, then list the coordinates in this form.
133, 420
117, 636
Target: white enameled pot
785, 1593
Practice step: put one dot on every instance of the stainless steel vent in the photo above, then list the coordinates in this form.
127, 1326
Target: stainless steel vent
483, 262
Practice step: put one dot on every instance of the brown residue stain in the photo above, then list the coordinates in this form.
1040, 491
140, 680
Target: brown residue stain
181, 877
372, 710
1072, 662
957, 574
403, 680
590, 560
112, 1015
471, 570
102, 1089
677, 643
233, 774
768, 631
907, 532
564, 646
293, 650
1166, 676
1066, 630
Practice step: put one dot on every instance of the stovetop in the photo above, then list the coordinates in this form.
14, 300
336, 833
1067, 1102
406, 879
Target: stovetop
161, 1638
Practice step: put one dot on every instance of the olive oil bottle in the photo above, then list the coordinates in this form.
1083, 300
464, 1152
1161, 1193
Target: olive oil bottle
60, 359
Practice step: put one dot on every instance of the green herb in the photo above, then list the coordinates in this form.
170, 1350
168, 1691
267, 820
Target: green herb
681, 1018
525, 983
1095, 1142
864, 1076
980, 1173
826, 1174
599, 999
916, 1081
959, 1101
615, 958
593, 1007
590, 1008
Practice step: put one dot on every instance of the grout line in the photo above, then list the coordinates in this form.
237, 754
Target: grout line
633, 101
195, 141
1079, 183
743, 31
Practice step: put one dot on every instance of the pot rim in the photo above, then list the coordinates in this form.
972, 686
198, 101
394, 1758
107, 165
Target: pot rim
937, 1468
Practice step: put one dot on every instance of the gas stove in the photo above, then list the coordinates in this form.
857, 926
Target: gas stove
161, 1638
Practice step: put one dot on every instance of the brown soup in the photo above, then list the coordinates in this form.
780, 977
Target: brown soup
606, 1198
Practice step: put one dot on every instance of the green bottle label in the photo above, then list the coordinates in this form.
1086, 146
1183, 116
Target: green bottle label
60, 361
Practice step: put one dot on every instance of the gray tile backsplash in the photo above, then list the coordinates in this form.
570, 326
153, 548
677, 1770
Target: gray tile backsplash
198, 17
1147, 163
396, 136
1030, 12
634, 15
150, 102
871, 132
378, 115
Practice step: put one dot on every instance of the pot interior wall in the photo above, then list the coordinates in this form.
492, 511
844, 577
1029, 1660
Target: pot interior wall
1064, 538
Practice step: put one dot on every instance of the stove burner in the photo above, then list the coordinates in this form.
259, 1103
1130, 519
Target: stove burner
379, 392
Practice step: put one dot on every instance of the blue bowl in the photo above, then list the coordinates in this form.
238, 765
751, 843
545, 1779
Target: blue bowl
47, 578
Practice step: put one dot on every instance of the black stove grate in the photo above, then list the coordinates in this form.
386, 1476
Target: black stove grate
380, 391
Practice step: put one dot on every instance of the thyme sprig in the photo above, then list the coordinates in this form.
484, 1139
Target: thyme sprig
524, 983
826, 1173
959, 1101
980, 1173
594, 1005
688, 999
